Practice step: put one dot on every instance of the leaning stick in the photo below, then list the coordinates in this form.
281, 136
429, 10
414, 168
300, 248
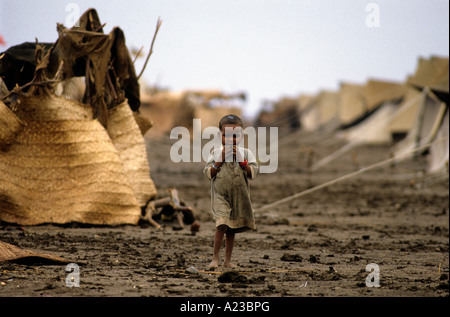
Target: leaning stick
175, 201
137, 54
18, 89
179, 217
148, 216
334, 181
158, 25
160, 202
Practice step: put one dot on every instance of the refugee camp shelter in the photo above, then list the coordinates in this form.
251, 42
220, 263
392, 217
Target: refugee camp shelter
381, 100
321, 112
71, 149
168, 109
352, 104
430, 126
403, 119
407, 115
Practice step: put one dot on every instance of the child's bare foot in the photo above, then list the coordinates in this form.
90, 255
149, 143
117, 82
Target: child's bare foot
214, 264
229, 265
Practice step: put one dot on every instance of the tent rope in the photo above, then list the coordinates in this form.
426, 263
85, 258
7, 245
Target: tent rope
339, 179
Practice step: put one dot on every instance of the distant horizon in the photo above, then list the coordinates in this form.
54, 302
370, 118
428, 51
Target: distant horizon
267, 49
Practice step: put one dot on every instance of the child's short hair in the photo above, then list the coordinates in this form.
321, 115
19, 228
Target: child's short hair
230, 119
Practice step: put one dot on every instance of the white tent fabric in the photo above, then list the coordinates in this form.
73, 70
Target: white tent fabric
403, 119
426, 124
321, 112
374, 129
439, 149
351, 103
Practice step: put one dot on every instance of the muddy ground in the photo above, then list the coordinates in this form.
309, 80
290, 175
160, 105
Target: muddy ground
317, 245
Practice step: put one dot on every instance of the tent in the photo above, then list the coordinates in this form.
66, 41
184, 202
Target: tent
382, 100
367, 111
321, 112
431, 122
431, 72
439, 149
373, 130
352, 104
376, 92
402, 120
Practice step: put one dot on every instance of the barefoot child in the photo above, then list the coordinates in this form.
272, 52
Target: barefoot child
229, 169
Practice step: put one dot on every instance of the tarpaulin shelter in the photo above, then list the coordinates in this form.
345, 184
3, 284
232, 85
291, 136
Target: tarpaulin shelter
382, 100
321, 112
358, 102
376, 92
403, 119
431, 72
351, 103
304, 100
438, 160
431, 121
64, 160
367, 112
428, 128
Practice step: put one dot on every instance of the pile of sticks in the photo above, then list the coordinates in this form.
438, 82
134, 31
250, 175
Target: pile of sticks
176, 208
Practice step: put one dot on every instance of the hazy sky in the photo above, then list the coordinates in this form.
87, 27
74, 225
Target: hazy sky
266, 48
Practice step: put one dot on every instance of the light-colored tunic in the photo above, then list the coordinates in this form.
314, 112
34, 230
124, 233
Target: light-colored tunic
230, 192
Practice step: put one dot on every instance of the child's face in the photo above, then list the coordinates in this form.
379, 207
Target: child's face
231, 134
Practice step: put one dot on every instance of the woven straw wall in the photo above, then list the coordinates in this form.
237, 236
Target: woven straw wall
10, 126
64, 167
128, 140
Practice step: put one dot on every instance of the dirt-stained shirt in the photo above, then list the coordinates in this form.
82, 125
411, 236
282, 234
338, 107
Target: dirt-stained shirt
230, 192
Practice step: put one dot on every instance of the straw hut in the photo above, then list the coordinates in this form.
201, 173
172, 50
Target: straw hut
78, 159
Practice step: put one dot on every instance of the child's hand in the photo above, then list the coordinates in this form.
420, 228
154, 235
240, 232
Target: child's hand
228, 151
223, 154
236, 152
219, 160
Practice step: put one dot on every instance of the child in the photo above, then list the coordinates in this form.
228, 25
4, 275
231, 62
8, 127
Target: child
229, 169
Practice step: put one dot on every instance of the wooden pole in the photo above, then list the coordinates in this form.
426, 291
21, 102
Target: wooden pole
158, 25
